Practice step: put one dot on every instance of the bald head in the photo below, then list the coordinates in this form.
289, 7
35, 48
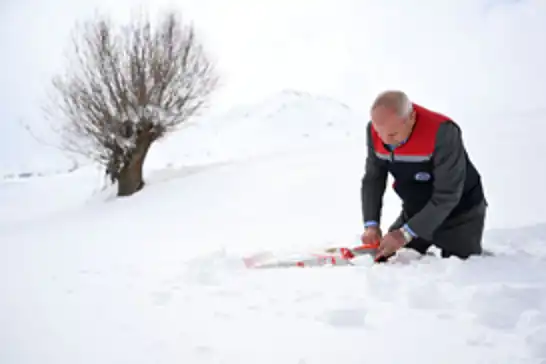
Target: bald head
392, 116
396, 101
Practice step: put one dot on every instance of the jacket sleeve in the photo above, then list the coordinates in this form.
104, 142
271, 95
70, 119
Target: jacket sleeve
449, 177
373, 184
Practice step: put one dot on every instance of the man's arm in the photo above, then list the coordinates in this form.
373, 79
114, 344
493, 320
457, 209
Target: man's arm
449, 176
373, 185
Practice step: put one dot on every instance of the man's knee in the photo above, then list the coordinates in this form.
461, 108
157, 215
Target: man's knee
460, 253
463, 237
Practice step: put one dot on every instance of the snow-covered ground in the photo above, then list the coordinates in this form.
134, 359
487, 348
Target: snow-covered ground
158, 278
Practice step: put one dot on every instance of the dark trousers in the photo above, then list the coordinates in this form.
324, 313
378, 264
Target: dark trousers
459, 236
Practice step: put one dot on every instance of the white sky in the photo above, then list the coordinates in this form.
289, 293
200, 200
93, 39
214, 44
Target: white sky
448, 54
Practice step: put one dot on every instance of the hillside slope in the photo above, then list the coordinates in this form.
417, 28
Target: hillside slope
286, 122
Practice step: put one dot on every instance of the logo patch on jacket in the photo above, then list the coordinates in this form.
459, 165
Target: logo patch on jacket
422, 176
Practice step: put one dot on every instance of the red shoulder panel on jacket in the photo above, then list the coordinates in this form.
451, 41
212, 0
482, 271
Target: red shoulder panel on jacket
423, 137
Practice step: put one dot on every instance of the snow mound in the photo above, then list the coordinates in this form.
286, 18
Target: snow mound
285, 122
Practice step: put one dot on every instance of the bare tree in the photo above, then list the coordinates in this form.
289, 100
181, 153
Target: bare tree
127, 87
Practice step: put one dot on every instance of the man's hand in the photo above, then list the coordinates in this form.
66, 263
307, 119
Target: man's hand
390, 244
371, 235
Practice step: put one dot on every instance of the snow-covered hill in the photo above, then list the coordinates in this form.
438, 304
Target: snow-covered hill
30, 152
158, 278
285, 122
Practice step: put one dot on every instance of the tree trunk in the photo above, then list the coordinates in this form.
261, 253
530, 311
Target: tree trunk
130, 178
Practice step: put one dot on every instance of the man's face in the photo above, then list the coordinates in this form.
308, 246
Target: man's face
392, 129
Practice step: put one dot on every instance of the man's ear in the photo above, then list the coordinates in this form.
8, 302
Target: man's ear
412, 116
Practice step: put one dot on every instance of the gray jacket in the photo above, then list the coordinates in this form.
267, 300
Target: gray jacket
449, 161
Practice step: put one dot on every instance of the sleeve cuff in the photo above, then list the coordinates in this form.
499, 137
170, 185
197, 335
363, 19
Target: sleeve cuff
410, 231
371, 223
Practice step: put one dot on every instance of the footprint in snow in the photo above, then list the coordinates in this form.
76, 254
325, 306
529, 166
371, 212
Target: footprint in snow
346, 318
503, 306
161, 298
203, 350
479, 339
427, 296
536, 341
